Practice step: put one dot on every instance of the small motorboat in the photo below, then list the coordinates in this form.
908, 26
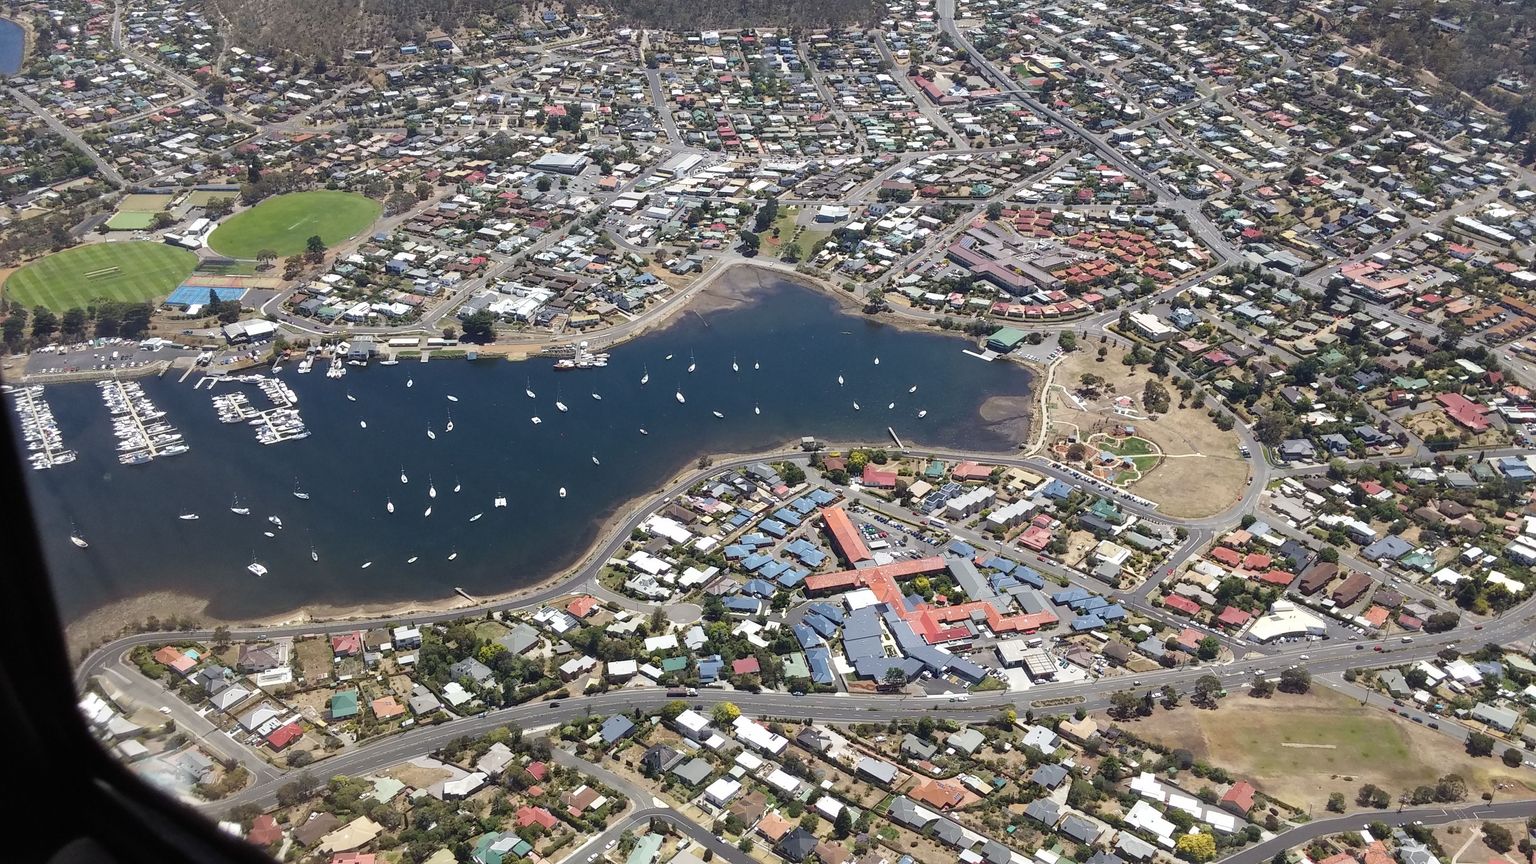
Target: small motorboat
452, 398
839, 380
273, 519
562, 491
269, 533
718, 415
476, 517
877, 361
188, 516
756, 366
367, 564
890, 406
756, 410
594, 460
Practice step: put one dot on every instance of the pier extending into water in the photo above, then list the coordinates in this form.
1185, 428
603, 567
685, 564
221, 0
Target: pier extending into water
142, 435
45, 445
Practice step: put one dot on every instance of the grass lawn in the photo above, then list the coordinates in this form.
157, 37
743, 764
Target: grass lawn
130, 271
144, 203
1302, 748
284, 224
131, 220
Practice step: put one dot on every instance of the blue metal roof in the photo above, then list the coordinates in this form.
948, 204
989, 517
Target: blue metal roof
774, 527
819, 658
754, 540
760, 588
736, 551
806, 636
961, 548
756, 561
787, 515
998, 562
709, 668
828, 611
821, 625
792, 577
1087, 622
742, 603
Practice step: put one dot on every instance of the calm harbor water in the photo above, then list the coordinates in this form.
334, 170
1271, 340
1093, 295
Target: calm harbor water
800, 338
12, 44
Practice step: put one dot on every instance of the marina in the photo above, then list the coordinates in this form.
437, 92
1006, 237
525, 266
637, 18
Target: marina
141, 434
274, 425
45, 444
527, 533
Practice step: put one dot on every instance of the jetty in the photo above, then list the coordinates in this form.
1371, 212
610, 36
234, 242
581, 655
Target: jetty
141, 433
45, 445
892, 433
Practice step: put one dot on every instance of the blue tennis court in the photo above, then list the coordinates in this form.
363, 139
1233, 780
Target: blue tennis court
194, 295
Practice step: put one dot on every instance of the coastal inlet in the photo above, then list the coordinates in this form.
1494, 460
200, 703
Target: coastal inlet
390, 485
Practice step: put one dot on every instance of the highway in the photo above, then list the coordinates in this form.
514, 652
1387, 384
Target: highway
1261, 853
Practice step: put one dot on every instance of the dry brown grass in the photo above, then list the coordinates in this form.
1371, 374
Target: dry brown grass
1350, 745
1206, 474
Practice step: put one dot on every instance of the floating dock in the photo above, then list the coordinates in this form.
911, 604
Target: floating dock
45, 446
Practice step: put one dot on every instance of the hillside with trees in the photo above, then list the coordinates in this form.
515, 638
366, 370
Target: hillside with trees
327, 28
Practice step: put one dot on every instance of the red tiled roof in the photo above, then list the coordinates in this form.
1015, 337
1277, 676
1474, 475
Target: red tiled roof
1240, 796
1181, 604
745, 666
845, 537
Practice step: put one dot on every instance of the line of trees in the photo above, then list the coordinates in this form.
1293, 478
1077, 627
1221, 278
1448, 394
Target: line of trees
22, 329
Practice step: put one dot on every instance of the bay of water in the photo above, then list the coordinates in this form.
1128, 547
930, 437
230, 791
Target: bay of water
800, 337
13, 43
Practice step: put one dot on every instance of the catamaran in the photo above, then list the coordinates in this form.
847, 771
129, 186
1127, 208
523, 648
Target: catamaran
256, 568
500, 501
299, 493
537, 421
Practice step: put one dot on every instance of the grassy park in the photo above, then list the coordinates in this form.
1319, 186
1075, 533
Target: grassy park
285, 223
130, 272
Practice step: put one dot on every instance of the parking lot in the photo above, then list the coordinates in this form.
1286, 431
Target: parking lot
100, 355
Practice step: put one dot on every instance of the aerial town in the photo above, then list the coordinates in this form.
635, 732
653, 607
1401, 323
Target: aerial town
1245, 576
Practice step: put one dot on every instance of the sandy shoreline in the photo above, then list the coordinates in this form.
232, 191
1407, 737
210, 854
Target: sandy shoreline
726, 289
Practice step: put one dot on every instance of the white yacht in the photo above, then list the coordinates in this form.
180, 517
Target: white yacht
561, 406
597, 397
855, 406
562, 491
594, 460
430, 434
500, 501
402, 476
427, 513
734, 367
528, 389
452, 398
718, 415
756, 409
679, 395
188, 516
692, 364
299, 493
351, 398
452, 555
643, 432
645, 378
313, 555
79, 541
257, 568
362, 424
923, 413
409, 383
537, 421
389, 506
457, 486
877, 361
412, 559
273, 519
476, 517
839, 379
890, 406
236, 508
366, 565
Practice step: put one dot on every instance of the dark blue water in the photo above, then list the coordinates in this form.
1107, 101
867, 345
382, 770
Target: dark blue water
801, 339
13, 43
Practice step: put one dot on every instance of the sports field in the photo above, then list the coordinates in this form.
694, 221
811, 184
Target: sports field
284, 224
130, 271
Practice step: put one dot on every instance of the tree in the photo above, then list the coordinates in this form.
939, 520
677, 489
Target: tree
1479, 744
894, 677
480, 327
1207, 687
1123, 704
314, 245
1336, 802
725, 713
543, 184
1498, 838
265, 257
995, 210
765, 215
1208, 648
1512, 757
1197, 847
1261, 687
843, 825
1067, 341
72, 326
44, 323
750, 243
1295, 680
218, 208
